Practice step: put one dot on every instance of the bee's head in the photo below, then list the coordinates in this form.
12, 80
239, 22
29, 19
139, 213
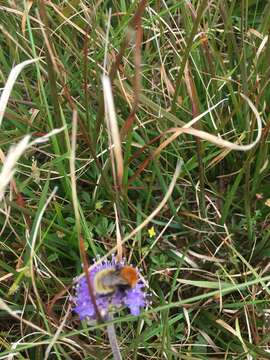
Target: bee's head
129, 275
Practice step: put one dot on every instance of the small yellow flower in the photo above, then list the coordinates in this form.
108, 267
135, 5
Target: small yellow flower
267, 203
151, 232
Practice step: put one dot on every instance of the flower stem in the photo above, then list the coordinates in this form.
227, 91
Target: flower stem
113, 341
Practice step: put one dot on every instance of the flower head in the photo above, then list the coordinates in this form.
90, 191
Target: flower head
118, 293
151, 232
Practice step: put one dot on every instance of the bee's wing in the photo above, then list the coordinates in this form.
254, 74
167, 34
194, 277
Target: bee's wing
113, 280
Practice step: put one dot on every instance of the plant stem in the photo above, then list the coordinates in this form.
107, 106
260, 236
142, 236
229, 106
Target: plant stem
113, 341
200, 12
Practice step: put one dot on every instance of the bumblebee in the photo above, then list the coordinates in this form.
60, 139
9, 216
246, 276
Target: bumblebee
109, 280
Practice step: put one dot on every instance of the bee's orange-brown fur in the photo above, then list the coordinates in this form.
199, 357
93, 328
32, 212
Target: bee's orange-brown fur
129, 274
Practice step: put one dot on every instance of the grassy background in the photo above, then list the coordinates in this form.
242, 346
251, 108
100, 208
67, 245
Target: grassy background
209, 270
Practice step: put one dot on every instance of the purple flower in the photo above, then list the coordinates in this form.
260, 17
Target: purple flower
122, 296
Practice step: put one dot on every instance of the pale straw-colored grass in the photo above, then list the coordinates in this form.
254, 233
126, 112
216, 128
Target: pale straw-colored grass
10, 83
10, 162
113, 131
187, 129
16, 151
73, 172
